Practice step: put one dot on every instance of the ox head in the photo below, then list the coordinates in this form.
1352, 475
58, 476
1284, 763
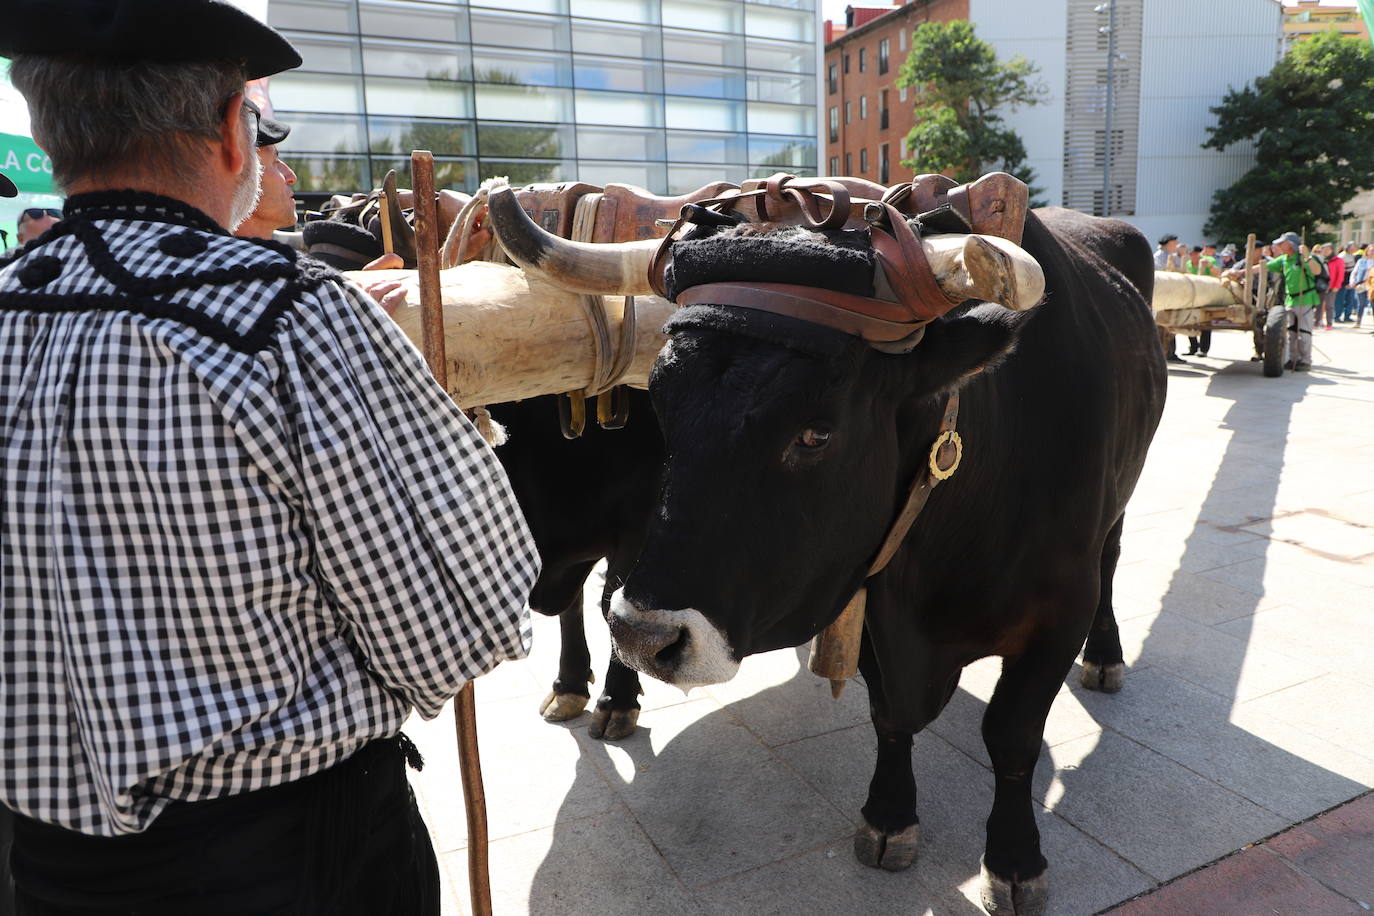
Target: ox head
789, 445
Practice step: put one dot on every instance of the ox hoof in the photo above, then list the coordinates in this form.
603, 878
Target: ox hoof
612, 724
1015, 898
1107, 678
560, 707
890, 851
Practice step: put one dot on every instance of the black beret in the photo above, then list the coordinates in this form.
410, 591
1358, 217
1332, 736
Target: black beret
162, 31
7, 188
271, 131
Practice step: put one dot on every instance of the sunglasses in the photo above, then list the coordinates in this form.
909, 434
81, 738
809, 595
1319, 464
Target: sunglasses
249, 105
40, 212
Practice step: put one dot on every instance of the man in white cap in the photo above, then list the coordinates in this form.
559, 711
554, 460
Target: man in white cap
244, 533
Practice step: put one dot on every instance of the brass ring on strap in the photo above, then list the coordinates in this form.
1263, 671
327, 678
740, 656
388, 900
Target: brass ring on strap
948, 437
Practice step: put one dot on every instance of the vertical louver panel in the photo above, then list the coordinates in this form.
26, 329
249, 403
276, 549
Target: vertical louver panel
1085, 120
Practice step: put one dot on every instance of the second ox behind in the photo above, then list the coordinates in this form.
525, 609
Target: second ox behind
792, 443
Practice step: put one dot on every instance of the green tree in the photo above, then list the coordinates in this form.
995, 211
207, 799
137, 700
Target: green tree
1310, 122
961, 89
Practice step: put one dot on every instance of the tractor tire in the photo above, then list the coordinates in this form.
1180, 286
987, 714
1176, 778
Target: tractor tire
1274, 331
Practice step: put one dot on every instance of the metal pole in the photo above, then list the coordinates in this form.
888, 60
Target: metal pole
1111, 104
465, 704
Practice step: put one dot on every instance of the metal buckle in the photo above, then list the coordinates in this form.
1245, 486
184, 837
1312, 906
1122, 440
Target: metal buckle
947, 437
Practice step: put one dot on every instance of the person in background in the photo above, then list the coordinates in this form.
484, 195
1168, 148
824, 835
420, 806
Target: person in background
1202, 262
1345, 294
277, 205
1166, 256
35, 221
1364, 259
1167, 247
245, 533
1300, 296
1335, 283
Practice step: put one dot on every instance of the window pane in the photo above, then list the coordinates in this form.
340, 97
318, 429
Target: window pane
704, 15
323, 133
617, 10
708, 114
326, 53
709, 82
651, 176
422, 21
629, 144
515, 30
393, 58
775, 23
795, 90
315, 15
401, 135
525, 141
521, 68
528, 103
333, 174
614, 73
706, 147
707, 50
422, 98
781, 55
532, 172
530, 6
781, 119
683, 179
783, 152
621, 109
316, 92
620, 40
454, 174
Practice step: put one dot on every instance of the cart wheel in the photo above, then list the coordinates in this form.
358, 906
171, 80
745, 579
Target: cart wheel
1273, 342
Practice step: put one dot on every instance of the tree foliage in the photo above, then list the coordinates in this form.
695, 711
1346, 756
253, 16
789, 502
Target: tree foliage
1309, 120
961, 88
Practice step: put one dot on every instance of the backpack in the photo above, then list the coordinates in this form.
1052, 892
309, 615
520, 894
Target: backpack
1322, 281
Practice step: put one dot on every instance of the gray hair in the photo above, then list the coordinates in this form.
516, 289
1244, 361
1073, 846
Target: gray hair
148, 118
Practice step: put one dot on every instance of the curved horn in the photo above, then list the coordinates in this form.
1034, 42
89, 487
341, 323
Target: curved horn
986, 267
616, 269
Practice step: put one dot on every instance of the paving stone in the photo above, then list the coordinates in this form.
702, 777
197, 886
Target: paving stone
712, 799
1254, 882
777, 698
525, 789
602, 864
1192, 726
1161, 817
1225, 663
1334, 637
1332, 707
1337, 849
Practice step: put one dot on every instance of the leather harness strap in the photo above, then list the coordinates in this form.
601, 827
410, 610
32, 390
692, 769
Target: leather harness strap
874, 320
940, 465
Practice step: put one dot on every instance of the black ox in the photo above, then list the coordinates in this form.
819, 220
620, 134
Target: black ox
790, 448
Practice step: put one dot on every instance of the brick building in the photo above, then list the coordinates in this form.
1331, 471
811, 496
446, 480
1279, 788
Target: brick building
867, 117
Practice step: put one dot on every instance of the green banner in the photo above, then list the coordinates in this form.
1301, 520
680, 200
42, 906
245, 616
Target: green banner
23, 163
1367, 11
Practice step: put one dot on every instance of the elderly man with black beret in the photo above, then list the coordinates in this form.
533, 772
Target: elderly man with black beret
242, 532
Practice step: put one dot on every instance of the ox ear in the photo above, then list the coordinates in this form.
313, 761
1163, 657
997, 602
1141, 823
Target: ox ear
956, 349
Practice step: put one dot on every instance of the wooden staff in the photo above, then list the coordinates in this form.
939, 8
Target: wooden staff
465, 704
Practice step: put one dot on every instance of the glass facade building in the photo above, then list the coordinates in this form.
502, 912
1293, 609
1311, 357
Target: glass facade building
666, 94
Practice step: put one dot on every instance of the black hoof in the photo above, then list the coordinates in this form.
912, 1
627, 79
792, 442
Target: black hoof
1108, 678
612, 724
1002, 897
890, 851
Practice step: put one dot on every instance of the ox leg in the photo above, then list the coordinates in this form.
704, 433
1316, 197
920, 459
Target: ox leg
1014, 879
617, 709
570, 693
1104, 668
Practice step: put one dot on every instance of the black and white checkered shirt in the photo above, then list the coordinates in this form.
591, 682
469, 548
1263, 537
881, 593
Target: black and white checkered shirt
242, 531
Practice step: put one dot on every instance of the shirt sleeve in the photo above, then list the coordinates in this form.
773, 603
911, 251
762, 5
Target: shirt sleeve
418, 537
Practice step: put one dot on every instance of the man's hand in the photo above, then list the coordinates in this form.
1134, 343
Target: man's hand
390, 294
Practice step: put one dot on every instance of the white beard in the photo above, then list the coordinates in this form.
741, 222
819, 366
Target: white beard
248, 190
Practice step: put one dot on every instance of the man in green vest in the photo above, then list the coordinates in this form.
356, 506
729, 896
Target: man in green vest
1300, 295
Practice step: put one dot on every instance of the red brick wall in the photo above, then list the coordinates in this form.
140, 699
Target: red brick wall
863, 137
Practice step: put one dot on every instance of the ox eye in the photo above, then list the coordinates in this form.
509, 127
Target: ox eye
813, 438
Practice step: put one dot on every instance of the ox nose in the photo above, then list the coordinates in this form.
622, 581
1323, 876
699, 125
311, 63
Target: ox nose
651, 646
679, 647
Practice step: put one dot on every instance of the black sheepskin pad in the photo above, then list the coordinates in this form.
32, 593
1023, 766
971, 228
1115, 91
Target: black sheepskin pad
841, 261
